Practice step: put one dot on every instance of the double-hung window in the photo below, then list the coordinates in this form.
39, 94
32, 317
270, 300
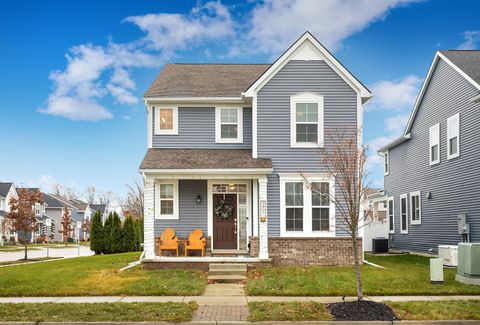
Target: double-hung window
229, 125
391, 215
167, 200
403, 214
294, 206
415, 208
320, 206
453, 136
306, 114
386, 162
166, 120
434, 141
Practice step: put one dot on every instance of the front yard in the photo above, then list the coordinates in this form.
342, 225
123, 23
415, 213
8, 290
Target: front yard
404, 275
97, 276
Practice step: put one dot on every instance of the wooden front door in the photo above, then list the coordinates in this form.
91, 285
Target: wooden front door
225, 230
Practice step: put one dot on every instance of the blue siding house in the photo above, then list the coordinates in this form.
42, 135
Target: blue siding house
244, 136
432, 172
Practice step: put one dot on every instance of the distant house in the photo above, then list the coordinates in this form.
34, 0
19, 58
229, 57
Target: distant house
7, 191
79, 211
102, 208
39, 233
432, 171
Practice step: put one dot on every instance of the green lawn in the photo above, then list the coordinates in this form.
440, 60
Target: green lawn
417, 310
287, 311
52, 312
437, 310
97, 275
404, 275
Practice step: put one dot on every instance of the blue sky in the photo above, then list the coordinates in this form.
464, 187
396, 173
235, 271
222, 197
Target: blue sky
73, 73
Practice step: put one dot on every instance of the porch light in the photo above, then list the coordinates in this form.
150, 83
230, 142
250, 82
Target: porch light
199, 199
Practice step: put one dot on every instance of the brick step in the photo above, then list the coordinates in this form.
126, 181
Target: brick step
226, 278
228, 266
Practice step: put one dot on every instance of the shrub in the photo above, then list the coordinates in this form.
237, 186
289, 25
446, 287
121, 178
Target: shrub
96, 234
107, 230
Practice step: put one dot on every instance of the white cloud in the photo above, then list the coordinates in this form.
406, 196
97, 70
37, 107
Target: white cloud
126, 117
394, 95
471, 40
275, 24
94, 72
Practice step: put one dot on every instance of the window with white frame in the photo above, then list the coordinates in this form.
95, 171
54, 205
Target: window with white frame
391, 215
167, 200
306, 113
294, 206
434, 141
306, 207
403, 214
229, 125
38, 208
453, 136
386, 162
415, 208
166, 120
320, 206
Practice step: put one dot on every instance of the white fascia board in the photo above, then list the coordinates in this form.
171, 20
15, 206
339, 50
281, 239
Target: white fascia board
394, 143
199, 100
230, 171
323, 53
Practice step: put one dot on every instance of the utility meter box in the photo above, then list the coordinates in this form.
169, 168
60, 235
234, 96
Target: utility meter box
463, 227
468, 270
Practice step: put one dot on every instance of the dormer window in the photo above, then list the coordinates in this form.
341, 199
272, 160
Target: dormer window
166, 120
229, 125
306, 117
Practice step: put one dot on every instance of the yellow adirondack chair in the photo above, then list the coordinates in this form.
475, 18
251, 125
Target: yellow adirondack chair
168, 241
195, 242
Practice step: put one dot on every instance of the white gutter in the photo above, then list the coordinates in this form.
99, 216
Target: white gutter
394, 143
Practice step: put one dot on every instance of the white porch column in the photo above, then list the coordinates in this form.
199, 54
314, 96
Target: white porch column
149, 218
263, 216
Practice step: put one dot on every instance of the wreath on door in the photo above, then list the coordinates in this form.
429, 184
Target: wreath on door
224, 209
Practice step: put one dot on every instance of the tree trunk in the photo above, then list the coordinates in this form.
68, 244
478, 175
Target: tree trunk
357, 268
25, 243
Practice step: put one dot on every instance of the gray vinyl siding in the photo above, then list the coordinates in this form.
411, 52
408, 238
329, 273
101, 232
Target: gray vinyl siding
191, 214
196, 129
273, 123
454, 184
56, 215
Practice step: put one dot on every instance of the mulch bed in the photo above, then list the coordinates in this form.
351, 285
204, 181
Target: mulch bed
361, 311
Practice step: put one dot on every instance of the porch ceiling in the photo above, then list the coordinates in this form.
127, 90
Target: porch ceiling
201, 159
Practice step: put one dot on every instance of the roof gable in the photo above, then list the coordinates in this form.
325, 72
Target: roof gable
307, 47
5, 188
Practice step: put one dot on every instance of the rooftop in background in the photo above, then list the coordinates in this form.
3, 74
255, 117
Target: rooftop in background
4, 188
205, 80
467, 60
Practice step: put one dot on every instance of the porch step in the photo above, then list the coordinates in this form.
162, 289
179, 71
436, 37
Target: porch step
224, 289
226, 278
228, 266
228, 252
226, 272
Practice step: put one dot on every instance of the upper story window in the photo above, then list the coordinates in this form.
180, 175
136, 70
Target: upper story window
386, 162
229, 125
166, 120
434, 142
167, 200
453, 136
306, 118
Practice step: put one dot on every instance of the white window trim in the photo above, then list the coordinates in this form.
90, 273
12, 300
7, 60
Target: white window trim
158, 131
308, 98
386, 162
307, 207
432, 143
391, 198
404, 196
218, 128
419, 221
457, 117
175, 214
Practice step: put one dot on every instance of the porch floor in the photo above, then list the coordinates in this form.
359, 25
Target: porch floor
206, 259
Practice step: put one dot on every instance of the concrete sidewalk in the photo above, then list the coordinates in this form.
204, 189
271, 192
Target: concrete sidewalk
219, 300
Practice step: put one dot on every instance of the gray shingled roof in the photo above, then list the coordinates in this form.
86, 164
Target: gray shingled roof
98, 207
205, 80
467, 60
4, 188
52, 202
202, 159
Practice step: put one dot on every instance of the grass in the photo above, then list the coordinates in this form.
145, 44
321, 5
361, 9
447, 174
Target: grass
287, 311
415, 310
29, 260
404, 275
437, 310
48, 312
97, 275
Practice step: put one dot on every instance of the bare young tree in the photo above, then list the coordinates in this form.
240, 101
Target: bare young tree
57, 189
346, 161
70, 192
22, 216
67, 228
86, 228
90, 194
133, 203
105, 197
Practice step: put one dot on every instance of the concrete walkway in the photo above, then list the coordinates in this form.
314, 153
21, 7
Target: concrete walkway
41, 251
220, 300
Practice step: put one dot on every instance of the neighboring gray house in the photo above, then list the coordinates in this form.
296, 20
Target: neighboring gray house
432, 174
237, 138
79, 211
